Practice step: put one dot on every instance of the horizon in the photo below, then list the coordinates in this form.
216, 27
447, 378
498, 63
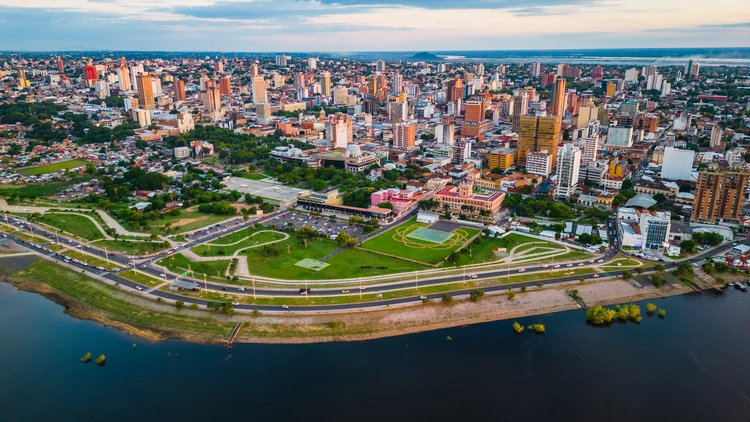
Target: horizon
368, 25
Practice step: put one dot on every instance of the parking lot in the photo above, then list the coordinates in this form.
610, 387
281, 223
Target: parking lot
300, 219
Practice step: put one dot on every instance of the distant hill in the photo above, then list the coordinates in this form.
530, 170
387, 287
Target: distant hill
426, 57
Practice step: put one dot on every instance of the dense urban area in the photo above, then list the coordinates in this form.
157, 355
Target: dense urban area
290, 185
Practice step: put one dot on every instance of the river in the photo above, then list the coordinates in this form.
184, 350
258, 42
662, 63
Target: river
694, 365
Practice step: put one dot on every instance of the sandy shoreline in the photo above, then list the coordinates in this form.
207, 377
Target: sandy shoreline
360, 326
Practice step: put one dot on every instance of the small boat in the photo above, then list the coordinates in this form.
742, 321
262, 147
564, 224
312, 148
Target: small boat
740, 286
730, 284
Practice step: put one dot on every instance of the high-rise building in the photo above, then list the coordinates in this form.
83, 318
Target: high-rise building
123, 76
535, 69
547, 79
339, 131
629, 108
695, 69
611, 89
325, 84
455, 90
475, 111
590, 147
219, 66
145, 91
539, 163
91, 74
520, 108
461, 151
22, 81
380, 66
225, 85
143, 117
449, 132
397, 111
372, 86
538, 133
60, 65
312, 63
211, 97
597, 73
677, 164
404, 136
281, 60
299, 80
558, 98
398, 84
568, 164
631, 75
340, 95
259, 90
719, 195
716, 137
254, 70
179, 90
502, 158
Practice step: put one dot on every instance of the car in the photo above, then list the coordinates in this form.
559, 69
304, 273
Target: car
423, 297
162, 275
734, 244
569, 265
694, 264
284, 306
522, 270
223, 288
591, 261
600, 260
362, 287
556, 266
242, 289
595, 276
235, 303
472, 276
304, 291
345, 291
580, 264
619, 264
139, 287
545, 265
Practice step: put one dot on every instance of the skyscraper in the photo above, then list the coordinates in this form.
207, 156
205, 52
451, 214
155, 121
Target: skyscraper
380, 66
520, 108
225, 85
716, 137
404, 136
535, 69
538, 133
254, 70
398, 83
259, 90
475, 111
60, 65
325, 84
454, 90
90, 73
719, 195
568, 165
312, 63
558, 98
281, 60
22, 81
211, 97
179, 90
339, 131
219, 66
123, 75
145, 91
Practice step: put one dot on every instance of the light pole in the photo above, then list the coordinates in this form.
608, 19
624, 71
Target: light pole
106, 255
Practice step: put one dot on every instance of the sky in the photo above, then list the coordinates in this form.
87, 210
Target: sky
369, 25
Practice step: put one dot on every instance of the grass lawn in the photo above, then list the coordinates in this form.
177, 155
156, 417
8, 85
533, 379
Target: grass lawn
117, 304
141, 278
91, 260
54, 167
238, 235
482, 252
131, 248
56, 248
187, 221
347, 264
31, 238
76, 224
254, 176
393, 241
38, 189
8, 229
290, 252
256, 239
570, 256
178, 263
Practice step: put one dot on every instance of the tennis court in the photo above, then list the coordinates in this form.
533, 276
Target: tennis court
429, 235
311, 264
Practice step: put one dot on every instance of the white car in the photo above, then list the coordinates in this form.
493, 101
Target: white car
235, 303
284, 306
619, 264
599, 260
556, 266
423, 297
545, 265
569, 265
139, 287
522, 270
472, 276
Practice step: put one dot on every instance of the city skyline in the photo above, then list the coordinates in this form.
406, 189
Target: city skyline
369, 25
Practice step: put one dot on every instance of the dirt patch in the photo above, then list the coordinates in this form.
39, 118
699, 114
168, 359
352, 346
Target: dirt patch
182, 222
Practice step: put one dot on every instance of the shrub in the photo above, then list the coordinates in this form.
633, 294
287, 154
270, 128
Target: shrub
662, 313
475, 295
600, 315
650, 307
446, 298
517, 327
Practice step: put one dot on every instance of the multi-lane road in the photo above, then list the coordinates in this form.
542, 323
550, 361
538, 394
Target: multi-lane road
146, 264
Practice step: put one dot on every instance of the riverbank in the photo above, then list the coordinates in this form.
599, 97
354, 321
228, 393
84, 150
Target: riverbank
85, 298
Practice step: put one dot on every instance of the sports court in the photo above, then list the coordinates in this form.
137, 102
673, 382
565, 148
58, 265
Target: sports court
430, 235
445, 226
311, 264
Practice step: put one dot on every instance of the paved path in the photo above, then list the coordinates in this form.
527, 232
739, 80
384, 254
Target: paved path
111, 222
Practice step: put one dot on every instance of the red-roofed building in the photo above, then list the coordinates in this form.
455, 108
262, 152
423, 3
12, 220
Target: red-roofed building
463, 200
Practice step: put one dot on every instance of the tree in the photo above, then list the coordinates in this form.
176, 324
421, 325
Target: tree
627, 275
179, 305
627, 184
386, 204
650, 307
101, 360
687, 246
518, 328
475, 295
660, 197
659, 268
446, 298
344, 240
600, 315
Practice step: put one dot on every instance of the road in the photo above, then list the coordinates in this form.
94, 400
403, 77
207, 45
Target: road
145, 264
